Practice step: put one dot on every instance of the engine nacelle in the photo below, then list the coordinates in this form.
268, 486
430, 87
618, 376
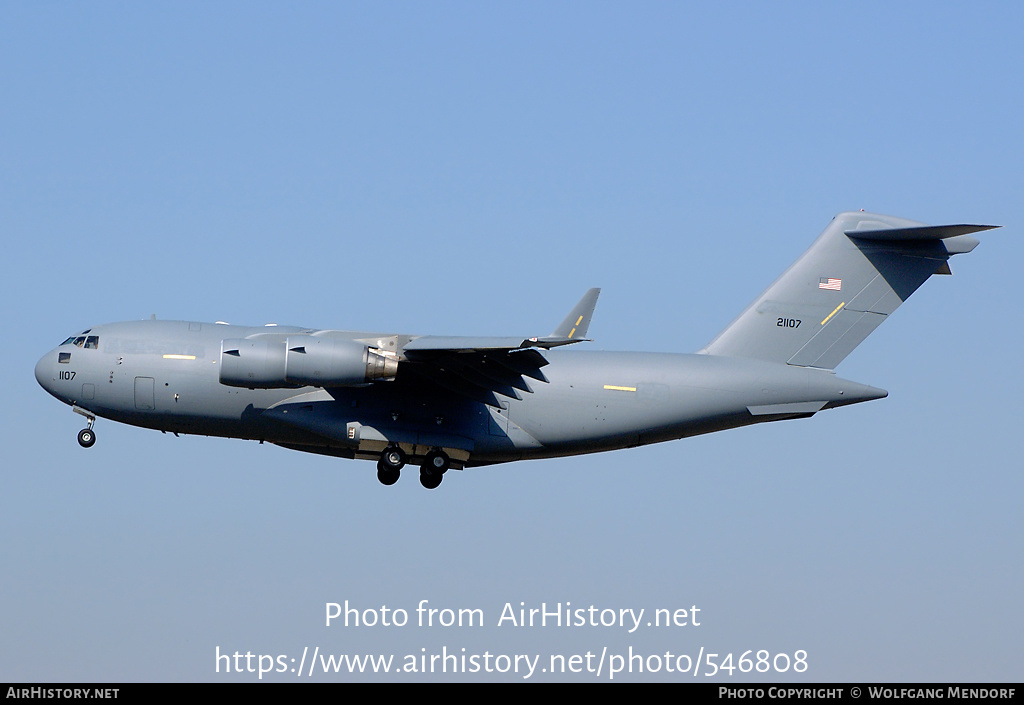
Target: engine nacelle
256, 363
321, 361
302, 360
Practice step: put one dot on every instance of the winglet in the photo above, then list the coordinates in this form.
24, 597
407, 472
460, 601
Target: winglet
574, 328
576, 323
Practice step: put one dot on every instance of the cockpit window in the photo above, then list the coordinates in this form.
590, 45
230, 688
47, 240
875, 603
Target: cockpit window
92, 342
79, 337
63, 358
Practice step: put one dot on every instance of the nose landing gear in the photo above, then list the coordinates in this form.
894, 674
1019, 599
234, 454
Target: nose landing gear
86, 437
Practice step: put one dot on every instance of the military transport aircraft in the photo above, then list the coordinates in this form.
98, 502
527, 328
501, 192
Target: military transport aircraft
458, 402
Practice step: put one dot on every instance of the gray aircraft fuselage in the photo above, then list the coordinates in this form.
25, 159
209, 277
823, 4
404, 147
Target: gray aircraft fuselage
449, 402
593, 401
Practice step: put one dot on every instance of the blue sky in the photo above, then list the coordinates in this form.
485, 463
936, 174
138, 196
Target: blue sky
468, 168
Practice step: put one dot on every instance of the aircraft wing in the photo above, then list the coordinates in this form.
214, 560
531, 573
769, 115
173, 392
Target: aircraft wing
571, 330
480, 368
464, 344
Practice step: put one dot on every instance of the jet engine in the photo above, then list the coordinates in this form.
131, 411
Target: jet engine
300, 361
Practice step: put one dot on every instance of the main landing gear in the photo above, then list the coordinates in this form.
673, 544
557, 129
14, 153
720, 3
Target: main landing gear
435, 464
433, 468
86, 437
389, 467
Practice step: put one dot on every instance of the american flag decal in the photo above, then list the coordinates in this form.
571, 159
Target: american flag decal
830, 284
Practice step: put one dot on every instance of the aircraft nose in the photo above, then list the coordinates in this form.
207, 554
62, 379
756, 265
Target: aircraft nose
44, 372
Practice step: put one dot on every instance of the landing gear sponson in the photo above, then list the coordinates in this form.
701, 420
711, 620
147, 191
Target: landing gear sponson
435, 464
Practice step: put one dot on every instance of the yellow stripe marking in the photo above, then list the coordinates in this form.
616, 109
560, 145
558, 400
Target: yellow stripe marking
573, 331
616, 388
833, 313
179, 357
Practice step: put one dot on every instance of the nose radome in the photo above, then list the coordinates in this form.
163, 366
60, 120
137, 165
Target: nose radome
44, 374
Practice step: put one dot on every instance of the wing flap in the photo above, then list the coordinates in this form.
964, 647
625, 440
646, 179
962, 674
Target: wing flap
477, 375
483, 367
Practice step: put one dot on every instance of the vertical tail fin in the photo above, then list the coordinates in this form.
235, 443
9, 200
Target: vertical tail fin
858, 271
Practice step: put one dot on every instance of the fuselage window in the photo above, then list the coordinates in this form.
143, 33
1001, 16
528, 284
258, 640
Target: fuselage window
63, 358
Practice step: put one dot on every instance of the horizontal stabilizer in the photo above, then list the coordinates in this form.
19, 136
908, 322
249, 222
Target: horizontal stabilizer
926, 232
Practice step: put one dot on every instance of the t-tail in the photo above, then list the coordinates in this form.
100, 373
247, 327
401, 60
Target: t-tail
858, 271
